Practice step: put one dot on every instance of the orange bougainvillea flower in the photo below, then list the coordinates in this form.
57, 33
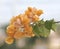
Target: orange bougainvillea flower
25, 20
11, 29
9, 40
35, 18
39, 12
19, 35
28, 28
30, 9
20, 26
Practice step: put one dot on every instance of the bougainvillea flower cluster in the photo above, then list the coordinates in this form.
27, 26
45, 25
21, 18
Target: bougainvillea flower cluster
20, 27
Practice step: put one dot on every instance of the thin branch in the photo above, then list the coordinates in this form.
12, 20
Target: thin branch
57, 22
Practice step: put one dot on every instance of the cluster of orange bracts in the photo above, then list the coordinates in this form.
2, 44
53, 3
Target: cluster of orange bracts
20, 25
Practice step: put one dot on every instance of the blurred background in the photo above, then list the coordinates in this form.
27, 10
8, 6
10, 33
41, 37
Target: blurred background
9, 8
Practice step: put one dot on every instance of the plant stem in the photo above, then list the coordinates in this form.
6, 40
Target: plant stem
57, 22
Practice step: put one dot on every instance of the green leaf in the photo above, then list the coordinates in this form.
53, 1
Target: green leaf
54, 26
36, 30
44, 32
49, 23
42, 28
41, 22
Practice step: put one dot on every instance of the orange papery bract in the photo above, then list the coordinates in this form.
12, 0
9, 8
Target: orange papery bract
25, 20
11, 29
35, 18
18, 35
9, 40
39, 12
20, 27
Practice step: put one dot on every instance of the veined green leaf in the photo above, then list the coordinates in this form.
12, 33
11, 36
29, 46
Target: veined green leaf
41, 22
49, 23
44, 31
54, 26
42, 28
36, 30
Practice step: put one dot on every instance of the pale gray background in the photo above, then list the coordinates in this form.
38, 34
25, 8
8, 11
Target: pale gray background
9, 8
